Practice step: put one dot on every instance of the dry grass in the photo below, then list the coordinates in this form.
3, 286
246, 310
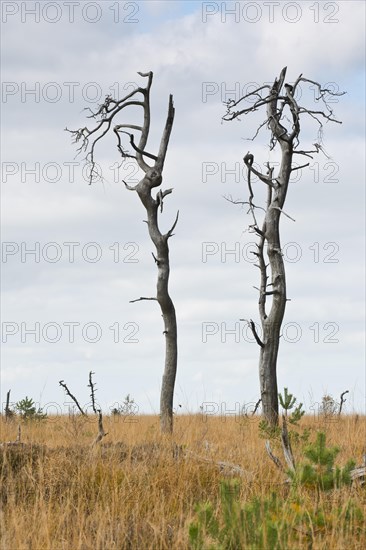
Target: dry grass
137, 490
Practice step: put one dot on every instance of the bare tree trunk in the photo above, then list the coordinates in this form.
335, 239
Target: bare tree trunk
278, 99
165, 302
168, 382
171, 347
271, 324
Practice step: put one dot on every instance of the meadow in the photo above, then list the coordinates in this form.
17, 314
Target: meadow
140, 490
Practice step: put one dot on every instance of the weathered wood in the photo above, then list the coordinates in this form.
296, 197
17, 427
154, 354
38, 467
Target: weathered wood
101, 432
227, 468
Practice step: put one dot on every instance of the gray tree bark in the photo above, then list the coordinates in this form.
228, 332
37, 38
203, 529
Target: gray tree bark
153, 205
280, 102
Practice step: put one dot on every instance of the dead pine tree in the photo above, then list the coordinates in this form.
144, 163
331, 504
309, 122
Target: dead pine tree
101, 432
107, 118
283, 114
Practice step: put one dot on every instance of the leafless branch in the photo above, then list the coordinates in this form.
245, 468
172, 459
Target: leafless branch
299, 167
129, 187
230, 115
343, 400
255, 334
278, 97
283, 212
248, 160
155, 259
322, 91
62, 383
237, 201
142, 298
105, 116
170, 232
136, 148
166, 135
258, 130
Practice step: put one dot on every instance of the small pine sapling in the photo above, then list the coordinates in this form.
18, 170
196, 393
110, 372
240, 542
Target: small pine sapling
320, 471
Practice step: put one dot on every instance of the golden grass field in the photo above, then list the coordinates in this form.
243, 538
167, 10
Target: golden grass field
134, 491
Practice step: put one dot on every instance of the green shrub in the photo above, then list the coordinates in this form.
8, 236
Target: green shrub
27, 410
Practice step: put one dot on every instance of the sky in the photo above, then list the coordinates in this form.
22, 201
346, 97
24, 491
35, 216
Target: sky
74, 255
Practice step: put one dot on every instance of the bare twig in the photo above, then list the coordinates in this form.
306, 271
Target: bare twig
230, 199
142, 298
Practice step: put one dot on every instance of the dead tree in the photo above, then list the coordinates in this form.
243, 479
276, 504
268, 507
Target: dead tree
283, 115
107, 120
91, 385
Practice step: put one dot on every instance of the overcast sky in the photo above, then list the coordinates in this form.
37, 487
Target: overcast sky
59, 57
